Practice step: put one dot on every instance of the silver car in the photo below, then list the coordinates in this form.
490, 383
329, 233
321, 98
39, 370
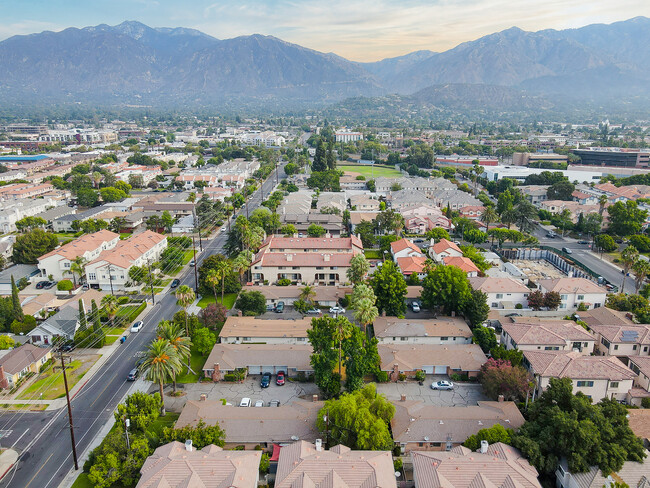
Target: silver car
442, 385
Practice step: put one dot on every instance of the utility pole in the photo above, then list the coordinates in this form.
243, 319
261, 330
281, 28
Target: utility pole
153, 300
277, 180
67, 396
196, 278
246, 199
196, 220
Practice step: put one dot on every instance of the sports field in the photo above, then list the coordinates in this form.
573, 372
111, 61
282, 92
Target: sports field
368, 171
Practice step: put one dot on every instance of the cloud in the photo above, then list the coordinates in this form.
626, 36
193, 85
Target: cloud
27, 27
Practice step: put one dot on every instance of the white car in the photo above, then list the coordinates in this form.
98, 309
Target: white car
137, 326
337, 310
415, 306
245, 402
442, 385
259, 403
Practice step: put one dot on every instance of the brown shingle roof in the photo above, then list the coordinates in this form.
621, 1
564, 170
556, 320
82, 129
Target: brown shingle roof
233, 356
252, 327
502, 466
248, 425
641, 362
605, 316
571, 285
21, 357
543, 333
640, 422
301, 465
172, 466
410, 357
438, 327
633, 334
560, 364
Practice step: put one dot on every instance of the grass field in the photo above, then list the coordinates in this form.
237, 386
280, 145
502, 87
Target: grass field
160, 423
372, 254
368, 171
110, 339
22, 406
82, 481
196, 361
52, 383
228, 300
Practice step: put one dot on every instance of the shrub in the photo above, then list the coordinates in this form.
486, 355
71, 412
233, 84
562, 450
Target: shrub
402, 377
284, 282
519, 306
229, 377
251, 303
645, 403
65, 285
420, 375
381, 376
458, 377
398, 464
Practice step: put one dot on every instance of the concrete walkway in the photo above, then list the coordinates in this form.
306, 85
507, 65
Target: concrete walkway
7, 459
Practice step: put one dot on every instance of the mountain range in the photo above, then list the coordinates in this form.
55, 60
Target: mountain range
132, 63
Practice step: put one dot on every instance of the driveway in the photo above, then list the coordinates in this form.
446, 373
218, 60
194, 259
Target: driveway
463, 395
234, 392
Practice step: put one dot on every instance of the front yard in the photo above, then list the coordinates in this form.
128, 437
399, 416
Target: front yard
196, 362
50, 385
228, 300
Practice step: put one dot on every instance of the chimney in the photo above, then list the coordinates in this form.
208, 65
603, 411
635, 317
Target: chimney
289, 257
216, 373
314, 398
501, 398
319, 445
188, 445
484, 446
402, 398
203, 397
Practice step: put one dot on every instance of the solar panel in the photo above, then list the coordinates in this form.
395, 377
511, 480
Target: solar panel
629, 335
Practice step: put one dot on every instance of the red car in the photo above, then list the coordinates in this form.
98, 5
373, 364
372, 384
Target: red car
279, 379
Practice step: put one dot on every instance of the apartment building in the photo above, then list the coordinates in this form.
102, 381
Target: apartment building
502, 293
14, 210
441, 330
574, 291
323, 260
250, 330
546, 335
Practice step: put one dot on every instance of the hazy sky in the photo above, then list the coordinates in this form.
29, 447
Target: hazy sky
361, 30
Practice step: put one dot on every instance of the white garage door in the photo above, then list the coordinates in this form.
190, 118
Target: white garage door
440, 370
254, 370
427, 369
281, 368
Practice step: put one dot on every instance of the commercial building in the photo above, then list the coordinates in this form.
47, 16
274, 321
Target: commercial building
613, 156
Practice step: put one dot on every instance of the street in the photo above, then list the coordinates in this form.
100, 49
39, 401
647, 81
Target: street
43, 438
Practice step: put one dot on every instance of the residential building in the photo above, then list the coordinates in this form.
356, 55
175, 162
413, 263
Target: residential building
641, 366
185, 225
111, 268
404, 248
331, 200
309, 260
303, 464
18, 362
332, 223
177, 465
412, 265
575, 208
472, 212
364, 203
404, 199
497, 465
420, 224
455, 199
18, 272
443, 249
350, 182
622, 340
535, 194
639, 421
250, 330
56, 212
296, 203
418, 426
62, 324
546, 335
606, 316
39, 305
64, 223
597, 377
441, 330
89, 246
14, 210
258, 359
345, 136
502, 293
574, 291
357, 217
426, 186
324, 296
431, 358
251, 427
632, 474
465, 264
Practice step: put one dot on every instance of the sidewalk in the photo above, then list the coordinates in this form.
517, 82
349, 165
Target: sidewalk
7, 459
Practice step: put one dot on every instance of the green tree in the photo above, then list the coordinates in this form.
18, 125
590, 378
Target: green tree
78, 268
116, 464
325, 357
320, 158
366, 230
552, 300
29, 223
204, 340
476, 309
390, 289
390, 221
561, 190
563, 425
29, 247
358, 420
117, 224
111, 306
288, 230
526, 213
201, 435
485, 338
110, 194
446, 287
6, 342
141, 409
365, 312
160, 364
437, 233
605, 242
83, 323
626, 218
184, 298
315, 231
87, 197
167, 221
358, 269
360, 357
15, 302
251, 303
641, 269
496, 433
65, 285
242, 263
94, 316
515, 356
628, 257
181, 344
499, 377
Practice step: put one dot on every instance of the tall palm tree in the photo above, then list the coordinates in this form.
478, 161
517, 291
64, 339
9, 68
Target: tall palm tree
641, 269
602, 201
365, 312
161, 363
242, 263
213, 278
77, 267
111, 305
629, 255
185, 297
223, 268
362, 292
97, 178
489, 215
182, 344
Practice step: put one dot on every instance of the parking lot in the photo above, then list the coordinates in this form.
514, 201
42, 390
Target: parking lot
463, 394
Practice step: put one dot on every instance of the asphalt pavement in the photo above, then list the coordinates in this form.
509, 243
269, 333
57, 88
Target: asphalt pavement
43, 438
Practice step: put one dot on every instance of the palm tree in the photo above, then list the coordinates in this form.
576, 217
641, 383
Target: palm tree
77, 267
185, 297
342, 332
489, 215
628, 258
242, 263
111, 305
212, 278
307, 294
97, 178
361, 292
160, 363
641, 269
602, 201
365, 312
223, 268
172, 333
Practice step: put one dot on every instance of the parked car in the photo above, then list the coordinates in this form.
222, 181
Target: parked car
567, 250
175, 283
49, 284
137, 326
266, 380
337, 310
583, 242
313, 311
245, 402
192, 263
415, 306
279, 378
274, 403
551, 235
67, 347
133, 374
442, 385
270, 307
41, 284
279, 307
259, 403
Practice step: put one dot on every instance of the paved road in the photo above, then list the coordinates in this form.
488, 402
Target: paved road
43, 437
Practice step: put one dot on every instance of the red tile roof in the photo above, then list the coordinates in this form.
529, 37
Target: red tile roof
443, 245
461, 262
402, 244
411, 264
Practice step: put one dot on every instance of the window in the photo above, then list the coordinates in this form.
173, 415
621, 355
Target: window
604, 342
563, 297
66, 265
634, 347
403, 338
302, 339
319, 267
92, 276
616, 347
434, 444
247, 338
581, 297
494, 305
645, 349
562, 305
282, 267
613, 384
444, 338
499, 295
585, 383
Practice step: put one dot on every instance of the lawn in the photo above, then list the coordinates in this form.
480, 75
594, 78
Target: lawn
125, 235
21, 406
368, 171
115, 330
228, 300
63, 236
82, 481
187, 257
51, 384
196, 361
372, 254
160, 423
157, 290
111, 339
